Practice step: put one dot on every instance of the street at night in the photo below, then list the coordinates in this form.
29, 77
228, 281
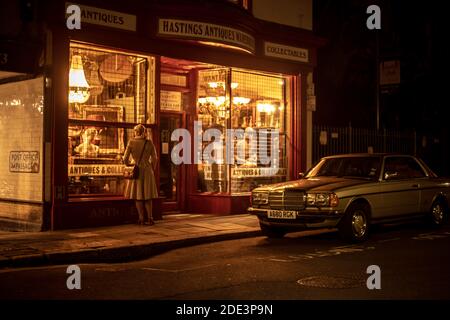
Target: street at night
414, 262
259, 153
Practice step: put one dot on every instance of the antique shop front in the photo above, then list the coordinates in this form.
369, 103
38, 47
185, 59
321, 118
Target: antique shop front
169, 66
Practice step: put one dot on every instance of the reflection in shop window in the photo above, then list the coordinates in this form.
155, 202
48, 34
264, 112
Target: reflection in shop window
109, 93
248, 102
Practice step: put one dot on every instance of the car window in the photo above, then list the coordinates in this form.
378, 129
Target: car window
358, 167
402, 168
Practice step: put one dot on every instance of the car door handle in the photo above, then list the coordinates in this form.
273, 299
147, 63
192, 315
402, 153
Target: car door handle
415, 185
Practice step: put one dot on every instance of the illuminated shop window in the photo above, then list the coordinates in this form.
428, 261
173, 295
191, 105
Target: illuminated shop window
248, 110
109, 93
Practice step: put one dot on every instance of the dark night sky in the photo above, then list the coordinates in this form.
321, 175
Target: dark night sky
413, 32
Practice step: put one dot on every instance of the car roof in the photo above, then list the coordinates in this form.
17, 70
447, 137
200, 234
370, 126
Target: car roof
377, 155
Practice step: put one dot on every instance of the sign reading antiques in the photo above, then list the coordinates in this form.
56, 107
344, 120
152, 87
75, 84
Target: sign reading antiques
106, 18
95, 170
208, 32
24, 161
285, 52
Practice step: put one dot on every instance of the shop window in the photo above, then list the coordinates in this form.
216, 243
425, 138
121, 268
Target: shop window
248, 110
109, 93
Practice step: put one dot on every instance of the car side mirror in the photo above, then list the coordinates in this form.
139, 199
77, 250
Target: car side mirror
390, 175
301, 175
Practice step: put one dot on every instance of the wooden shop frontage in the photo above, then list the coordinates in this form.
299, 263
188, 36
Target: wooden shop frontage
178, 68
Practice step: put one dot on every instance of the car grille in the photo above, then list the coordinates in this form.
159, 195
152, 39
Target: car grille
287, 200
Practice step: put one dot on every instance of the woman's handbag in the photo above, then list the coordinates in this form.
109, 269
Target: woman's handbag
132, 172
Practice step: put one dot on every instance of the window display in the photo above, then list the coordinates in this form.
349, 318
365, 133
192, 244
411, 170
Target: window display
109, 93
249, 111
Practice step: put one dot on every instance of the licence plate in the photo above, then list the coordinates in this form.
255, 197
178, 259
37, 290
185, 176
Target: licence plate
281, 214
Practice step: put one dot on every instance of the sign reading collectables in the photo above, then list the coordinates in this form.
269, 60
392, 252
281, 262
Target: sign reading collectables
24, 161
286, 52
207, 33
106, 18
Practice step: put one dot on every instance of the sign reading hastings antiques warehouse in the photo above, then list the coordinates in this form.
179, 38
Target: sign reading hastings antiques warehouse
286, 52
194, 30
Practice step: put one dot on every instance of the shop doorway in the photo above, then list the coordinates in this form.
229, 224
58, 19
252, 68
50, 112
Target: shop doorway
170, 176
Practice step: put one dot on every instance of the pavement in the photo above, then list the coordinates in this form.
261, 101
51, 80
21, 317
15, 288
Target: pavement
121, 243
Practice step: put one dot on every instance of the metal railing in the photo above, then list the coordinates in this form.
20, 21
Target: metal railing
339, 140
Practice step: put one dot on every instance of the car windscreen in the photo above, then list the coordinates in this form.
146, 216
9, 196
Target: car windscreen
356, 167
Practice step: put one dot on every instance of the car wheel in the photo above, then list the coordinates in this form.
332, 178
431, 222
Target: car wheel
272, 232
438, 213
354, 226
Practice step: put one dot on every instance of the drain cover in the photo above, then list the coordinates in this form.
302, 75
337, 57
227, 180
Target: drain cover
328, 282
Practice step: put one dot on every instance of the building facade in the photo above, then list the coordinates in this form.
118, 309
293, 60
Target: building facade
191, 72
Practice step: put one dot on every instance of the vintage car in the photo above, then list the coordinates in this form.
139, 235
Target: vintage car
352, 192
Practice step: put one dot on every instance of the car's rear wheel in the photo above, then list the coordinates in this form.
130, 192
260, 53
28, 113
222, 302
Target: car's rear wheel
354, 226
438, 213
272, 232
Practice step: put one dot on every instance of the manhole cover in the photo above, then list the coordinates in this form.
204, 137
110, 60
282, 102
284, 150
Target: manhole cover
337, 282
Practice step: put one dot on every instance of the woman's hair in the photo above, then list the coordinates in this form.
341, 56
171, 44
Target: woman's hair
139, 130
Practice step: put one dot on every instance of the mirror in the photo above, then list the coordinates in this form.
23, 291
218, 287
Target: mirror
391, 175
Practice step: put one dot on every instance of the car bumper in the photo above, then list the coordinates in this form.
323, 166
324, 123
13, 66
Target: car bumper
307, 219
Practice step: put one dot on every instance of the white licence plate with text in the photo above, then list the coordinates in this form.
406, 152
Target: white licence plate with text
281, 214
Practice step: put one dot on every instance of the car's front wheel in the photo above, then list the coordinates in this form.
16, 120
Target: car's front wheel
438, 213
354, 226
272, 232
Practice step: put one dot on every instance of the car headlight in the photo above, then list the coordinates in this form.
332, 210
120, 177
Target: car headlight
260, 197
322, 200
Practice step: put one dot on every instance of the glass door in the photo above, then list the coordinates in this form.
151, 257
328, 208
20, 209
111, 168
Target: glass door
170, 174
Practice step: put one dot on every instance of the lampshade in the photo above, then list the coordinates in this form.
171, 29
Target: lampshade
78, 86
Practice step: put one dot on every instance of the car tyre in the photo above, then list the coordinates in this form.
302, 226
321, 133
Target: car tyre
272, 232
354, 226
438, 213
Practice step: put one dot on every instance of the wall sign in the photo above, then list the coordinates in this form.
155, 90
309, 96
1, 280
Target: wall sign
170, 100
390, 72
24, 161
208, 32
286, 52
106, 18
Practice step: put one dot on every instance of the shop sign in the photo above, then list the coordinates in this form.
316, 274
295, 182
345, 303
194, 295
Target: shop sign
286, 52
257, 172
208, 32
170, 100
24, 161
106, 18
95, 170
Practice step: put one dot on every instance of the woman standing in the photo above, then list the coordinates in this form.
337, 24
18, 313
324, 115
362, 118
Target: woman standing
143, 189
